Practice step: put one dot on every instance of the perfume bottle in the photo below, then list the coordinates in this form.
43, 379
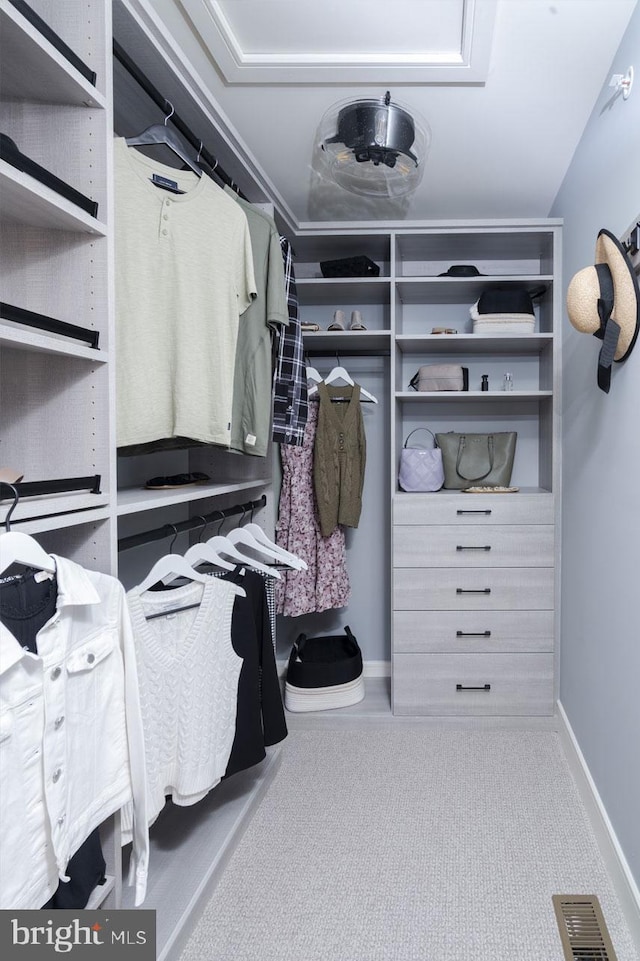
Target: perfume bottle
484, 385
507, 383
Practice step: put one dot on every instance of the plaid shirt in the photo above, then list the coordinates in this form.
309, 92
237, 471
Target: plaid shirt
290, 378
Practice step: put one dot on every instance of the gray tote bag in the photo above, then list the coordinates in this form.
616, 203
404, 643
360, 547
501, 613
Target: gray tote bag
477, 460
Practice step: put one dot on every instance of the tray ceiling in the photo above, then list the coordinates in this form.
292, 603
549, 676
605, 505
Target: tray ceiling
413, 41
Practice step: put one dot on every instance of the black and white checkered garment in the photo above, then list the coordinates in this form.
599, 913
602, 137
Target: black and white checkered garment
290, 378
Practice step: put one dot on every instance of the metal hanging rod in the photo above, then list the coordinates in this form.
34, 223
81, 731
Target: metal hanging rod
143, 81
168, 530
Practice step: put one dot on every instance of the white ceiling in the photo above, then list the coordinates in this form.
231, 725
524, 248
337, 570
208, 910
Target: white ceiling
507, 87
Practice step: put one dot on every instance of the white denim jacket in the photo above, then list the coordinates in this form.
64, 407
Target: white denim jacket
71, 739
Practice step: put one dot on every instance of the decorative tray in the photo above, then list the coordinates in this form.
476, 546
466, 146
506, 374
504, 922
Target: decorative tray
490, 490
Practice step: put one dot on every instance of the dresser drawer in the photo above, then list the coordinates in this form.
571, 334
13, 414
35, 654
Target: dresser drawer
505, 684
470, 546
468, 589
454, 507
472, 632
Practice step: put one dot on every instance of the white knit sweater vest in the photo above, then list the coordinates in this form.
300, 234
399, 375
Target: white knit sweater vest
188, 674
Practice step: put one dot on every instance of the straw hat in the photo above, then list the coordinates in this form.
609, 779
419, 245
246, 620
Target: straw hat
604, 300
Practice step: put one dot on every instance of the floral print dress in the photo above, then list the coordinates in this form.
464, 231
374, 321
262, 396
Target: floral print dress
325, 584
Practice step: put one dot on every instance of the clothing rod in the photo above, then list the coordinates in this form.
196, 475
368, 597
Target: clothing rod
143, 81
168, 530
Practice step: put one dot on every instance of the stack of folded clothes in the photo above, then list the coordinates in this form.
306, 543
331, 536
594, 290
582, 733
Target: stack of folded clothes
506, 310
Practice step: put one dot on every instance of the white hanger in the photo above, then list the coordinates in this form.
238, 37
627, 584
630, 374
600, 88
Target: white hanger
313, 375
204, 552
341, 373
229, 545
168, 568
19, 548
285, 556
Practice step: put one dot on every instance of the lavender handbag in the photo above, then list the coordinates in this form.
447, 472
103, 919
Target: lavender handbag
420, 469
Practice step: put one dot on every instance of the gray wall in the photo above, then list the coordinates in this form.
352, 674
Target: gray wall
600, 666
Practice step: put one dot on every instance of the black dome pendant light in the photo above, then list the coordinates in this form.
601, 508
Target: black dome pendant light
374, 147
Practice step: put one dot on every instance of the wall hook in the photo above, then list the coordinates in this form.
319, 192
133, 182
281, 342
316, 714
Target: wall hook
623, 82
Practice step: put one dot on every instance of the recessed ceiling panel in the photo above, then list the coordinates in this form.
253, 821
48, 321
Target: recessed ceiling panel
346, 41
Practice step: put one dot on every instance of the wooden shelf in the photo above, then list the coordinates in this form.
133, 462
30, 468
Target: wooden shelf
438, 396
17, 338
343, 290
27, 201
473, 343
336, 340
446, 290
477, 243
132, 500
33, 515
33, 70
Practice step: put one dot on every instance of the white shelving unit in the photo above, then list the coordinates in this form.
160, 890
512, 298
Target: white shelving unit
56, 392
475, 609
402, 305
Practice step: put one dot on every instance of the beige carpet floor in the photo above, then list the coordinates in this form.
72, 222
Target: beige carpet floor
402, 843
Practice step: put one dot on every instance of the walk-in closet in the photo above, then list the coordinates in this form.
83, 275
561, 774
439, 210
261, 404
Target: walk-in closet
318, 515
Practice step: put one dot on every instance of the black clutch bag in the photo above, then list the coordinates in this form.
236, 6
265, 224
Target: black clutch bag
350, 267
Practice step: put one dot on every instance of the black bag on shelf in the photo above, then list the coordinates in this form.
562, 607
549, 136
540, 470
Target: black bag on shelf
350, 267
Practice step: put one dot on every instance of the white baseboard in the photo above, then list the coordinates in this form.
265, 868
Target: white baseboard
615, 862
370, 668
377, 668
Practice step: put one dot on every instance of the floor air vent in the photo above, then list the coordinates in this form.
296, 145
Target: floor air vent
582, 926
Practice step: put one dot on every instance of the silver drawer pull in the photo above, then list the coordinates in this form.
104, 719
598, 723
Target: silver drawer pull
480, 590
473, 512
465, 687
473, 633
460, 547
